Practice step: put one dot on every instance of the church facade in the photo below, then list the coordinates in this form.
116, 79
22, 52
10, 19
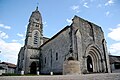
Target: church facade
82, 41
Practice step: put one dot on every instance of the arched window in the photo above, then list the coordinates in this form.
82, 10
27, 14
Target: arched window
36, 38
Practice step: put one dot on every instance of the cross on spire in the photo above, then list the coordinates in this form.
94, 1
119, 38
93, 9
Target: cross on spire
37, 7
37, 3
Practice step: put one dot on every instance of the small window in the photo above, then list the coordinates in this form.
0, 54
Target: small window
45, 60
51, 56
56, 56
37, 25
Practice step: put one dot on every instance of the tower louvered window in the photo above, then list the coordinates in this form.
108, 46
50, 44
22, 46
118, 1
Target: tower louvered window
36, 38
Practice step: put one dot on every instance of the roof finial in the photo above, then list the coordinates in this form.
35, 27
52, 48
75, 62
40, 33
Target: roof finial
37, 7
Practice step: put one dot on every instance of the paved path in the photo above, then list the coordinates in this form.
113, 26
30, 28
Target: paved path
106, 76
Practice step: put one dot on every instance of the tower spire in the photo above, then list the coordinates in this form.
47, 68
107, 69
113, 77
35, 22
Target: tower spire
37, 7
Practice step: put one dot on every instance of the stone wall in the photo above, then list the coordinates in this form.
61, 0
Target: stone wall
28, 60
71, 67
20, 60
85, 37
60, 45
88, 34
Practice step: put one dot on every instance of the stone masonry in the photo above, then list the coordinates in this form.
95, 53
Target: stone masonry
82, 41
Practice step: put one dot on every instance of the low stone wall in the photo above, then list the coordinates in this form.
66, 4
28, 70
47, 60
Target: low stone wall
71, 67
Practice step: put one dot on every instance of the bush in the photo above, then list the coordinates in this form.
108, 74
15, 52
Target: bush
10, 74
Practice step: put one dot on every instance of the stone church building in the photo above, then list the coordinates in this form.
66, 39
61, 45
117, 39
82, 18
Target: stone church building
81, 41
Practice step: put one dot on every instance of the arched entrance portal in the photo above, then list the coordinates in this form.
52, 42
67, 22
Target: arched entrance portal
89, 64
93, 60
33, 68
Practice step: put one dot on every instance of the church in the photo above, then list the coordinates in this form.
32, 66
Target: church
82, 41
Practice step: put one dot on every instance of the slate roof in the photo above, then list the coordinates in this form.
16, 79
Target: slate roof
114, 59
10, 65
55, 35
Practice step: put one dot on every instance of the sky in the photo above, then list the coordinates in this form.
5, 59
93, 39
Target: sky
56, 14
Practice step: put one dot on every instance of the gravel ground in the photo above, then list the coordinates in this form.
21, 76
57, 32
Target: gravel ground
106, 76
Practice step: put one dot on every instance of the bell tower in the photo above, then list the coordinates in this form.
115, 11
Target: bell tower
34, 30
34, 39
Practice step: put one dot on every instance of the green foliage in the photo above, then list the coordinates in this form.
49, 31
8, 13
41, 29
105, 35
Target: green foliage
10, 74
13, 74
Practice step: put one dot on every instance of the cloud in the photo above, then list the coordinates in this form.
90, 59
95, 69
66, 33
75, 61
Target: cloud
45, 24
115, 49
115, 33
3, 35
20, 35
109, 3
85, 5
14, 40
69, 21
4, 26
9, 51
107, 13
118, 25
76, 8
